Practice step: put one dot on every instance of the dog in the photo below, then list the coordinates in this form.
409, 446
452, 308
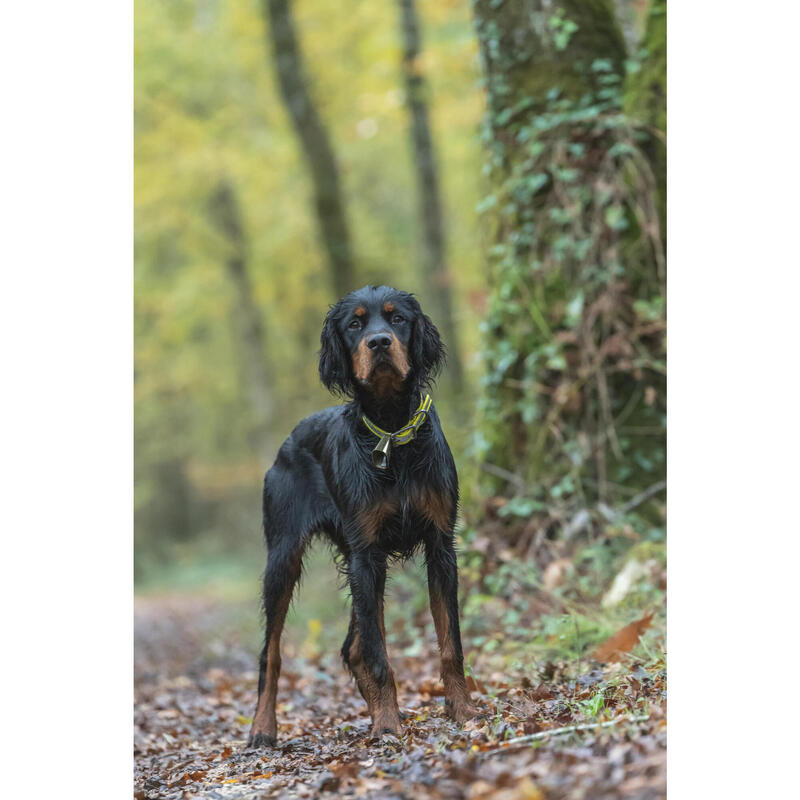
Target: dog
376, 476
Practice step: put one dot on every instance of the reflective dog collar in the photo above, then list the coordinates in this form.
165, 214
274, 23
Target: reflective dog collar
382, 451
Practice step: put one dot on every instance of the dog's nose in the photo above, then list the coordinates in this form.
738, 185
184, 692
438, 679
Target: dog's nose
380, 341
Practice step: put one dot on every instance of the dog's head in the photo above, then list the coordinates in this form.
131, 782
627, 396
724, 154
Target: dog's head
377, 339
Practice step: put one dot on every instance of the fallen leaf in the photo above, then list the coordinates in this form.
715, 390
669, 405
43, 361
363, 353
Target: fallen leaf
622, 641
325, 745
346, 769
431, 687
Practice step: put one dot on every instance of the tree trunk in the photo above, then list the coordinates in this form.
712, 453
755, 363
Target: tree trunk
646, 99
574, 333
436, 275
226, 217
529, 47
314, 140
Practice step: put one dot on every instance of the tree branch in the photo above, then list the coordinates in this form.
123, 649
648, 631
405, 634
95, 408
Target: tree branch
534, 737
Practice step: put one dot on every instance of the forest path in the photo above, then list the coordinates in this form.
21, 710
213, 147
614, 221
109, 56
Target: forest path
195, 691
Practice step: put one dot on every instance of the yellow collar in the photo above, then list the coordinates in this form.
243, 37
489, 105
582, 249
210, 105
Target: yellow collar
382, 451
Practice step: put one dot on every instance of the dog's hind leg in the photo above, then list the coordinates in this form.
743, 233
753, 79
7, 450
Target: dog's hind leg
283, 569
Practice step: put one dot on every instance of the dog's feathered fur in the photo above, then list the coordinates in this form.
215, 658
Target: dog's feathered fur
381, 351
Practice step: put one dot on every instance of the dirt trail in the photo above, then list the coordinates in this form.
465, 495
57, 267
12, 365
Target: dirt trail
195, 694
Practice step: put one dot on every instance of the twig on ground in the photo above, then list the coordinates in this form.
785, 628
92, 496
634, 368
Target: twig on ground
579, 522
613, 515
588, 726
645, 495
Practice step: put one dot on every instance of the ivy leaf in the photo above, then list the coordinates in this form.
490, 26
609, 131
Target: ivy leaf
521, 507
490, 201
575, 309
537, 181
615, 218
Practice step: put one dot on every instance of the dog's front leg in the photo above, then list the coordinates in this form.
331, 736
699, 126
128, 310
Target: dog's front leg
368, 658
440, 556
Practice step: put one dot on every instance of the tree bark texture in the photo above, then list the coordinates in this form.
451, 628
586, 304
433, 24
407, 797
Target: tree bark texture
436, 274
314, 141
646, 99
226, 216
531, 46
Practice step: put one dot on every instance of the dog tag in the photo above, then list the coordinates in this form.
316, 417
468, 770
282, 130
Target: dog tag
380, 455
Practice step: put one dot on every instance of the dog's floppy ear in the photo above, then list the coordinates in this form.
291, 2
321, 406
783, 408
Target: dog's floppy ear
334, 366
429, 352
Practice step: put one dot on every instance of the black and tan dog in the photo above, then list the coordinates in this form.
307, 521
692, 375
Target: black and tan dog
377, 477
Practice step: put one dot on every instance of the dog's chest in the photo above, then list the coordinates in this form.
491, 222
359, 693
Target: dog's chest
394, 515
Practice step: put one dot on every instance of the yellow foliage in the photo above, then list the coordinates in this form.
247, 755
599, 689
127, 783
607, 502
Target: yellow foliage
207, 109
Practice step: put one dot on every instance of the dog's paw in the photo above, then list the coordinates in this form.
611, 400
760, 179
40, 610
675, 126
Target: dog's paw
462, 712
386, 721
261, 740
385, 729
386, 738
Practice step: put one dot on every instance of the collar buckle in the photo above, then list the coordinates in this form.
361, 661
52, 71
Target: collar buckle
382, 451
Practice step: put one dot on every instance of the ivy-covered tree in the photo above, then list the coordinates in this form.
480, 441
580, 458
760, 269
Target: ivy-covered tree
574, 397
646, 98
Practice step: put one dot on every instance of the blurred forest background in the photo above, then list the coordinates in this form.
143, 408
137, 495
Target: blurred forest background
503, 160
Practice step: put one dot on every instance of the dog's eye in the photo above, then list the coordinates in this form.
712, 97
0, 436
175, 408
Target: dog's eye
397, 319
354, 324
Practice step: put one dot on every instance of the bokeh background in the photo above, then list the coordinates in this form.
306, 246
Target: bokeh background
507, 169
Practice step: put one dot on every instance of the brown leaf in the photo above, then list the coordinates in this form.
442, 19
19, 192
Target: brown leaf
190, 777
431, 687
346, 769
542, 692
532, 725
622, 641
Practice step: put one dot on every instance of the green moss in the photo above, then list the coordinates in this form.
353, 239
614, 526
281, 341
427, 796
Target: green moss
646, 96
645, 89
530, 48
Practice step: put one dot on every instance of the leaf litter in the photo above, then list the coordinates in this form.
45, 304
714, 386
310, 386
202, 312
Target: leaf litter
551, 733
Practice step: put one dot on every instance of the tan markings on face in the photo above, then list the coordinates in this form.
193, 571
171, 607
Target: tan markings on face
362, 361
386, 381
434, 506
399, 355
360, 311
388, 307
374, 517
